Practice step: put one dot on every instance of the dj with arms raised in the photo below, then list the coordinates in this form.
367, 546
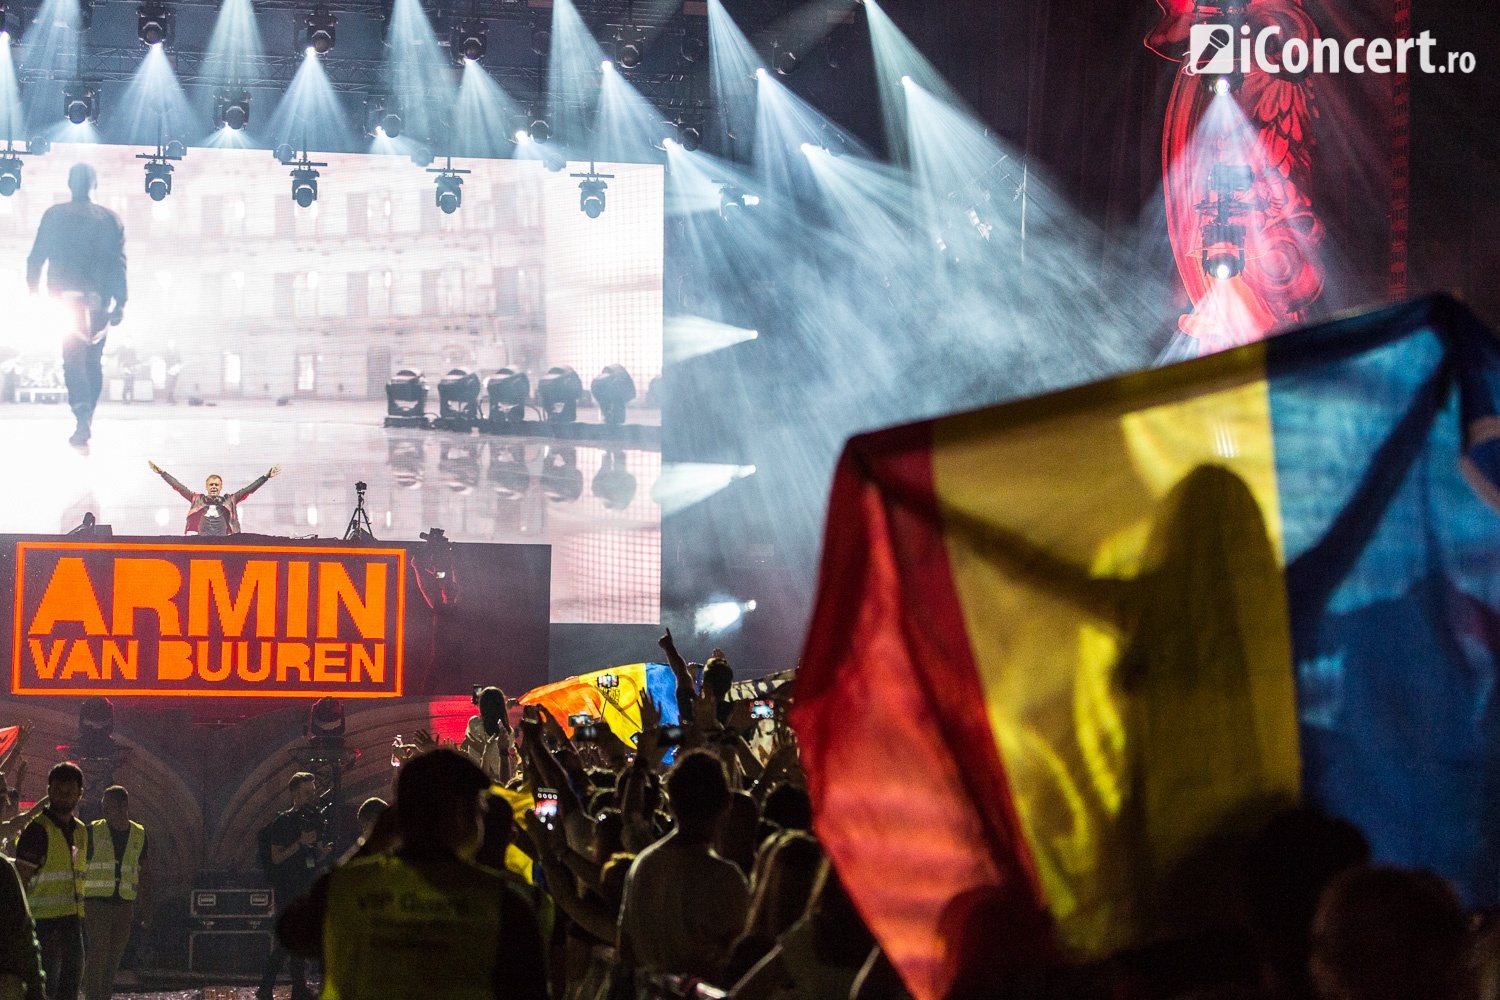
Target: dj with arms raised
214, 512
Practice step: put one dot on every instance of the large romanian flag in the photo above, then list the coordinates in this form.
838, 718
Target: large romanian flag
1067, 652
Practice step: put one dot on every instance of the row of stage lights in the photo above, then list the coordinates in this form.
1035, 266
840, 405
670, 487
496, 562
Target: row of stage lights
448, 181
508, 392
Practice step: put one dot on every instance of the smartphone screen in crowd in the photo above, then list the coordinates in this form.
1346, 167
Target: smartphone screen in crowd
608, 681
762, 710
546, 804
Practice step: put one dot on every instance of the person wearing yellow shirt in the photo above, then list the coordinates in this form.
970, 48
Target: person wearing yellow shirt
51, 857
118, 885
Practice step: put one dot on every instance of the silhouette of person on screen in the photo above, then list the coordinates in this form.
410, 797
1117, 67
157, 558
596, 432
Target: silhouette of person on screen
82, 246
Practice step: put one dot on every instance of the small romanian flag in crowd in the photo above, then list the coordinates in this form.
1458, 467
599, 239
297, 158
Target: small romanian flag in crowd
613, 695
1068, 652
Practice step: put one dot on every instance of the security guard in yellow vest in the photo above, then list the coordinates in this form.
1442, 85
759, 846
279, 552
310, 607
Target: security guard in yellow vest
52, 858
427, 922
117, 876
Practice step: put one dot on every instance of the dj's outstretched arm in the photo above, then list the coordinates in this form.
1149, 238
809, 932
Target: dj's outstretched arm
186, 493
245, 491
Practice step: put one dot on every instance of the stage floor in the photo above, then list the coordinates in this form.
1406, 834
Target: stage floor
591, 503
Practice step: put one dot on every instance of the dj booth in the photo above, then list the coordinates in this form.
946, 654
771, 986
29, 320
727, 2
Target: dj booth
248, 616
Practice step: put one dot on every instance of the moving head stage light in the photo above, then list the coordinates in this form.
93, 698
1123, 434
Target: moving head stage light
458, 401
509, 391
81, 103
450, 194
406, 399
558, 391
613, 388
320, 33
232, 108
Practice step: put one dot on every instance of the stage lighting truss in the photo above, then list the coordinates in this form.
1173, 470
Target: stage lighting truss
383, 118
591, 191
733, 199
232, 108
320, 33
159, 167
81, 103
630, 47
470, 40
155, 24
450, 185
1223, 251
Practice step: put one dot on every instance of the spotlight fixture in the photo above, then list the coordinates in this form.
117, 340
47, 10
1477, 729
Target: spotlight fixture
1223, 237
630, 48
38, 145
304, 186
540, 131
320, 30
232, 108
285, 155
159, 167
591, 191
405, 398
733, 200
785, 61
509, 391
689, 138
421, 156
154, 24
541, 41
558, 392
612, 389
833, 140
325, 720
692, 49
450, 193
304, 176
10, 174
383, 118
458, 400
1224, 18
158, 180
81, 102
470, 40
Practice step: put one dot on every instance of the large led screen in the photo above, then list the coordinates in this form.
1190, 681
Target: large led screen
260, 333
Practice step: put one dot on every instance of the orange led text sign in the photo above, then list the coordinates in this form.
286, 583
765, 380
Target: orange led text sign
207, 620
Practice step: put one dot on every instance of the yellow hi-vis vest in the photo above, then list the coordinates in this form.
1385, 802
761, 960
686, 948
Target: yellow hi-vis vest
394, 930
57, 888
107, 872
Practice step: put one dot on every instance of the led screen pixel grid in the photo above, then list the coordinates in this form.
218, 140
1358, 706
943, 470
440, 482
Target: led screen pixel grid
240, 299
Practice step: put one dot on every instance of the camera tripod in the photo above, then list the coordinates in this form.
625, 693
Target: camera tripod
359, 529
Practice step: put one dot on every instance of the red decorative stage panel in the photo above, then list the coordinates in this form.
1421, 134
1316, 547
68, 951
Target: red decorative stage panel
268, 618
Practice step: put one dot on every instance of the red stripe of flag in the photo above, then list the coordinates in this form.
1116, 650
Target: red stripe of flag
911, 799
